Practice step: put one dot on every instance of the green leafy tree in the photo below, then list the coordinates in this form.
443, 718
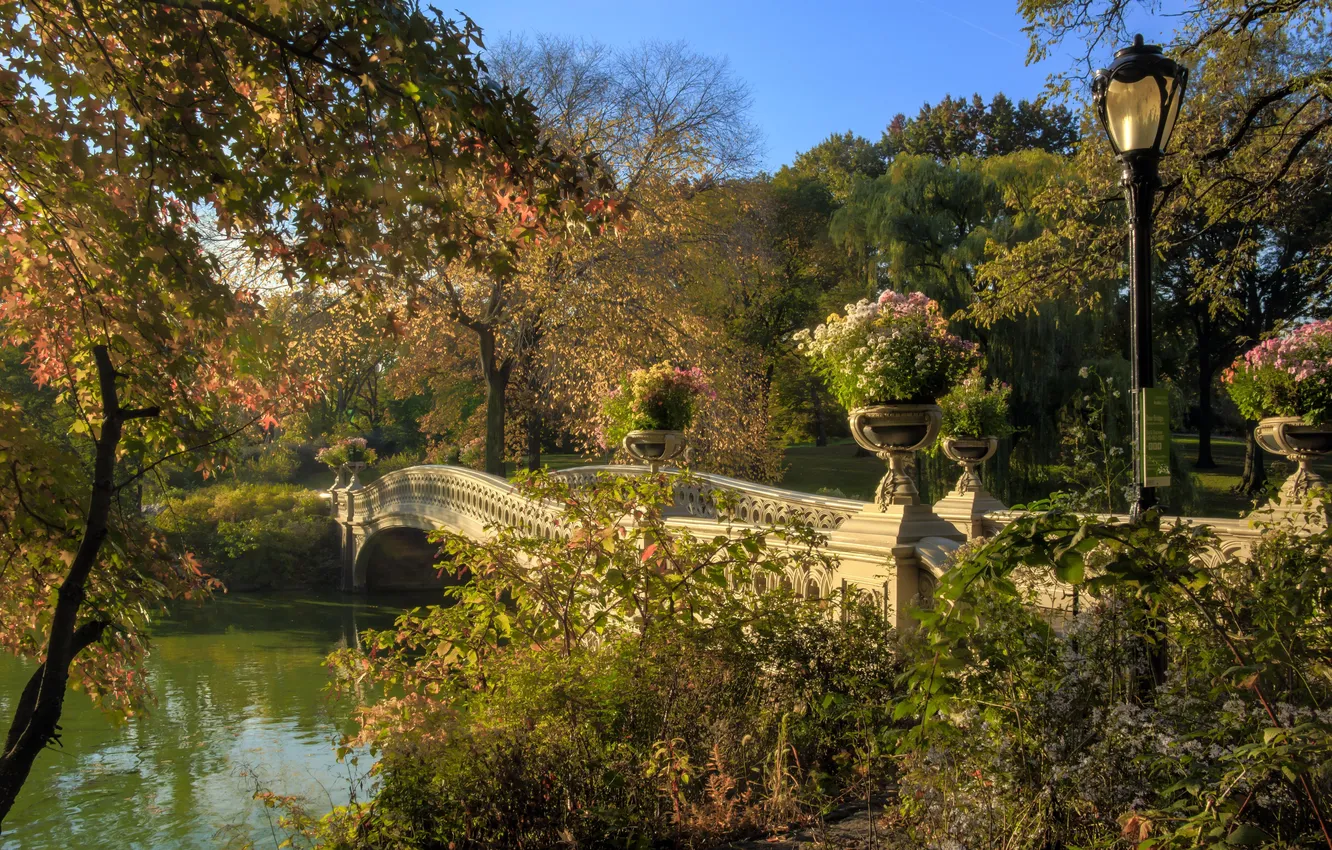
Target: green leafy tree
838, 161
957, 127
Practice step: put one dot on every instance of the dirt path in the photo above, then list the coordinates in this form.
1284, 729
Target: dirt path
847, 829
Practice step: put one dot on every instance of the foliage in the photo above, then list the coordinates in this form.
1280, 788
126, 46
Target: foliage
1289, 375
957, 127
394, 462
275, 463
254, 536
1049, 727
347, 450
973, 409
896, 348
661, 398
1248, 154
43, 509
838, 162
1094, 431
346, 348
661, 118
619, 685
143, 141
472, 453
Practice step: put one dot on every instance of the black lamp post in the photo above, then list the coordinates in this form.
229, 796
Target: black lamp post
1137, 100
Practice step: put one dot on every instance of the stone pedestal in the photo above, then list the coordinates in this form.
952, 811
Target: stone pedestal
965, 511
964, 508
896, 525
863, 540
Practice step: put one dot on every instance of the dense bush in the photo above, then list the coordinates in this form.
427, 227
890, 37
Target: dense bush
255, 536
1036, 730
274, 463
625, 687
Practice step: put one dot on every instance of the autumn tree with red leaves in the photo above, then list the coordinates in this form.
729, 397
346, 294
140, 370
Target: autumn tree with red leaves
134, 134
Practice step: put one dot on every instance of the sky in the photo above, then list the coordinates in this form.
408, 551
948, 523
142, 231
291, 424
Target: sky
814, 68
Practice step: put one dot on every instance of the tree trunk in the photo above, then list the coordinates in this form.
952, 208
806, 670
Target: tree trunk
820, 425
1205, 460
1254, 478
37, 712
497, 382
533, 439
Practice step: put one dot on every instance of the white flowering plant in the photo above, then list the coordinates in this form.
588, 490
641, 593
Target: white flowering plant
896, 348
976, 408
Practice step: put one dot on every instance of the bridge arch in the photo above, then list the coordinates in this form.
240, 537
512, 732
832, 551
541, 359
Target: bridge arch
398, 558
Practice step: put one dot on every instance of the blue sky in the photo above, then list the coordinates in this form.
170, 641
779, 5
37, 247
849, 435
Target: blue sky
814, 68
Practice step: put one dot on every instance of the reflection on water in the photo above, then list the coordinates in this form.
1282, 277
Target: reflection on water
241, 701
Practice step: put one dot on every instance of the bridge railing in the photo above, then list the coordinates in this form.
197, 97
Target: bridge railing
871, 549
753, 504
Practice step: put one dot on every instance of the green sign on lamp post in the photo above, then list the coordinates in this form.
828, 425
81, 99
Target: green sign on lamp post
1154, 436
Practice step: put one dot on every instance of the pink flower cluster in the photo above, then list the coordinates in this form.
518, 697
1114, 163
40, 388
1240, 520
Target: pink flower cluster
1303, 353
912, 304
693, 380
1289, 375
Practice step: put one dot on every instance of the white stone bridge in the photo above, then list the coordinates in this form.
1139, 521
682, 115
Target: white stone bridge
896, 555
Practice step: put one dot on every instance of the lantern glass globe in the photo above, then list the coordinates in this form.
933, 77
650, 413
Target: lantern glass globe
1133, 113
1138, 97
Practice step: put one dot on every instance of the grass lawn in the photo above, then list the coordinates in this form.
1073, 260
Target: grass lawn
1228, 452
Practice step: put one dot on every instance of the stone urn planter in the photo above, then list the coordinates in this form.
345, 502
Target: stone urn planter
969, 453
655, 448
354, 466
894, 432
339, 480
1290, 437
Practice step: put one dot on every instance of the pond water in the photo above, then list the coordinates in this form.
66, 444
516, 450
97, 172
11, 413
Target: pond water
240, 695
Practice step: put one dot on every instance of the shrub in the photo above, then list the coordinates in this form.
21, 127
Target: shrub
1289, 375
973, 409
620, 687
401, 460
1054, 728
472, 453
253, 536
273, 463
661, 397
895, 349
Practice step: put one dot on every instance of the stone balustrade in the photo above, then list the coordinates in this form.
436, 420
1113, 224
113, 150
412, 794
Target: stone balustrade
895, 556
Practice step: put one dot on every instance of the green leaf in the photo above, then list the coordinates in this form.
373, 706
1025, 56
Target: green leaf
1070, 567
1247, 835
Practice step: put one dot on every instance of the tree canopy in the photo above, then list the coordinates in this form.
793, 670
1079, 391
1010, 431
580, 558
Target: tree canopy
138, 139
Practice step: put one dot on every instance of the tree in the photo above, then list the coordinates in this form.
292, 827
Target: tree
345, 348
663, 120
956, 127
1248, 160
932, 222
838, 161
934, 226
306, 132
